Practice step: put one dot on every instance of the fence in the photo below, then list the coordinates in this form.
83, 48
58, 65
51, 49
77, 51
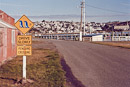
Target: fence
117, 38
121, 38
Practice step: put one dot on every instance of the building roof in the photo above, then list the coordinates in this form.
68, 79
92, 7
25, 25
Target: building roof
6, 18
90, 35
6, 25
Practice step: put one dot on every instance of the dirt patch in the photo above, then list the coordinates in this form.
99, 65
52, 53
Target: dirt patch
43, 44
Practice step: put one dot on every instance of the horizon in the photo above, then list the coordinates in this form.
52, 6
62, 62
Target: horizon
75, 18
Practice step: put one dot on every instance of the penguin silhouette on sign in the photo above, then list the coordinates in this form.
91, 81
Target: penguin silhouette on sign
26, 24
21, 24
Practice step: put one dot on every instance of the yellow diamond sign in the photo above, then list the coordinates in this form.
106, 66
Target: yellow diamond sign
24, 24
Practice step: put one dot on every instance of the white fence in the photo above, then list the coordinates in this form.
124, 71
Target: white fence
121, 38
117, 38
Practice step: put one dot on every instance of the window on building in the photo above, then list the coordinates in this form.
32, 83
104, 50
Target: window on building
13, 37
1, 39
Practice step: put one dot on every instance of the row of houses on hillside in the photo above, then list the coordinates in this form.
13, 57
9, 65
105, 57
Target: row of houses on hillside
51, 27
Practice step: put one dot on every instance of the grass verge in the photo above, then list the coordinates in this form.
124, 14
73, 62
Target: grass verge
43, 67
122, 44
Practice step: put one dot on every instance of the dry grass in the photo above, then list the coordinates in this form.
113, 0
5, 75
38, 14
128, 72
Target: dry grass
123, 44
43, 67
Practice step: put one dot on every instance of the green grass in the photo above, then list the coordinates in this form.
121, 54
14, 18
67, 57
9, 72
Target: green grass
43, 67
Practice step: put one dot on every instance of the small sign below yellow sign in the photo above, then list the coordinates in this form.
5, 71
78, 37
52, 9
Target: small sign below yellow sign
24, 50
24, 24
24, 40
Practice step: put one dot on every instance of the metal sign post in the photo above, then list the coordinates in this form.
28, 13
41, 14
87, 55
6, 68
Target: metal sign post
23, 41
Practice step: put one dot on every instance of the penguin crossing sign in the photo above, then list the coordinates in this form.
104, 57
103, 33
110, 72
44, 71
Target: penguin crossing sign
24, 24
23, 41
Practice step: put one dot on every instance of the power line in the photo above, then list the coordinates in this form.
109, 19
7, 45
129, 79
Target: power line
107, 9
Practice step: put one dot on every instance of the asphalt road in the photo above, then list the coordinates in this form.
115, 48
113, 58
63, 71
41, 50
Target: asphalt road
96, 65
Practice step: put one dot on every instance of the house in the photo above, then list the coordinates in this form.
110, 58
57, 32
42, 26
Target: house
8, 35
121, 27
93, 37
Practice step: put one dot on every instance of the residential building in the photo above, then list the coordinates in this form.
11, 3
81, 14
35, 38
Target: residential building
8, 35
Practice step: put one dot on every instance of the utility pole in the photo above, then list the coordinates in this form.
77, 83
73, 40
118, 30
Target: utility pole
82, 5
112, 36
84, 16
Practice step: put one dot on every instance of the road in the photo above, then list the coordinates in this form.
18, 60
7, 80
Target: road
96, 65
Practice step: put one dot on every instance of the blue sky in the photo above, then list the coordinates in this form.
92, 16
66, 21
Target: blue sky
117, 10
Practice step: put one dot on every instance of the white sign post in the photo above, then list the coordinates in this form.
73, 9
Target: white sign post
24, 67
24, 64
80, 36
